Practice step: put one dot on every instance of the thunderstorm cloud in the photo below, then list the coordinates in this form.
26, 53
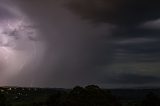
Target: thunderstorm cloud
78, 42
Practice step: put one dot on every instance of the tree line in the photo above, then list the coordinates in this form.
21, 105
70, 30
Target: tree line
91, 95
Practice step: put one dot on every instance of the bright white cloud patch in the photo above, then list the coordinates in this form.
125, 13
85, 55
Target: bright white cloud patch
19, 44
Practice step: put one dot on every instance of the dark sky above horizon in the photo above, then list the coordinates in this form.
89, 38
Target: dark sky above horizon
111, 43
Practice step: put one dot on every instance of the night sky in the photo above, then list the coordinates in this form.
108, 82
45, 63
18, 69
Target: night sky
63, 43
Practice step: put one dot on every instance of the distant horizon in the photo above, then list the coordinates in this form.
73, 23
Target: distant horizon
133, 87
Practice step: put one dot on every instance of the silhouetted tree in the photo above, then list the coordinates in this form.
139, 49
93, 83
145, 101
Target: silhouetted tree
151, 99
3, 100
91, 95
98, 97
56, 99
76, 97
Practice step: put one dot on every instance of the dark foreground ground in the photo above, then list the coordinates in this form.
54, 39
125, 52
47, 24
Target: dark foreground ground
88, 96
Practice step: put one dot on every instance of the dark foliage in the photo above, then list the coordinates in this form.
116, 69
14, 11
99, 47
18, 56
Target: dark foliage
151, 100
89, 96
3, 100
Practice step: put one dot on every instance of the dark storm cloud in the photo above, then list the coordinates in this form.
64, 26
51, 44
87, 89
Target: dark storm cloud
74, 46
134, 79
128, 15
138, 49
83, 36
124, 12
136, 38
